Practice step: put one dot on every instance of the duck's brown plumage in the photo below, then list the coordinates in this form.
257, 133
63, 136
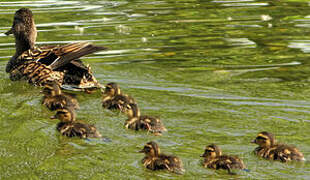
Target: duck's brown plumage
269, 149
155, 160
48, 63
214, 159
78, 129
55, 99
137, 122
114, 99
70, 127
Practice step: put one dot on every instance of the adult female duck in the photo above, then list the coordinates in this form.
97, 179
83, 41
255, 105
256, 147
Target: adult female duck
48, 63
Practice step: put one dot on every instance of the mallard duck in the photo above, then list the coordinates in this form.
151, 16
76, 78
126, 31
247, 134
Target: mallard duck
154, 160
214, 159
269, 149
114, 99
54, 98
137, 122
48, 63
68, 126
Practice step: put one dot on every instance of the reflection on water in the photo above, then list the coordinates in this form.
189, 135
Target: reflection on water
214, 71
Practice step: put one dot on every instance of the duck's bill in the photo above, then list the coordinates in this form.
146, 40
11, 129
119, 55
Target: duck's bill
53, 117
9, 32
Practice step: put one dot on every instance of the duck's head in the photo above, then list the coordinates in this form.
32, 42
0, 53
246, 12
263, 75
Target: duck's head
151, 149
64, 115
112, 89
51, 89
24, 30
212, 151
132, 110
264, 139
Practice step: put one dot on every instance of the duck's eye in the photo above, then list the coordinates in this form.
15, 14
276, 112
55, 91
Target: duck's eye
208, 150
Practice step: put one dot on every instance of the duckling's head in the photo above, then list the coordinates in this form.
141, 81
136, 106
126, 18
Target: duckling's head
64, 115
51, 89
132, 110
151, 149
212, 151
112, 89
264, 139
24, 30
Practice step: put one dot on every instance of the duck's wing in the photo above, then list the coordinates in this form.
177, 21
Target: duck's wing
58, 56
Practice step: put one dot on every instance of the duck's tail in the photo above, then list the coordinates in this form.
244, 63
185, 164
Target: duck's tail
74, 51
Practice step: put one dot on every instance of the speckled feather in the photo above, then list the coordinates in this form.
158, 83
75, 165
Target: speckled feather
137, 122
55, 99
281, 152
214, 159
82, 130
269, 149
48, 63
154, 160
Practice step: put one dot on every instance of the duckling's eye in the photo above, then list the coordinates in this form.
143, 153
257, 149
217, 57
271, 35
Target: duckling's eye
147, 149
208, 150
261, 138
17, 18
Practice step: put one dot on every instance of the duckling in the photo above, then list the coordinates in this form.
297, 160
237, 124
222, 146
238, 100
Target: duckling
269, 149
136, 122
54, 98
68, 126
113, 99
154, 160
214, 159
48, 63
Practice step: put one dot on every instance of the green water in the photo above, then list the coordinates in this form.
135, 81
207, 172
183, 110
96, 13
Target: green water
215, 72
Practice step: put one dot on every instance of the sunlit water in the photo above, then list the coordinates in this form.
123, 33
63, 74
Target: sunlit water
214, 71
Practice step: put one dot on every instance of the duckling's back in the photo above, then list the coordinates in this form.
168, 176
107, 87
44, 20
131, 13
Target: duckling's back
227, 162
284, 153
170, 162
78, 129
118, 102
152, 124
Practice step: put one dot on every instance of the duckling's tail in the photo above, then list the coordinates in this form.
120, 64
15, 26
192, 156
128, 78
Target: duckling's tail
74, 51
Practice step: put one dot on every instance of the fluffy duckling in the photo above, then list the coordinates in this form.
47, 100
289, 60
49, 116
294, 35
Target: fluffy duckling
59, 63
154, 160
214, 159
113, 99
54, 98
70, 127
137, 122
269, 149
